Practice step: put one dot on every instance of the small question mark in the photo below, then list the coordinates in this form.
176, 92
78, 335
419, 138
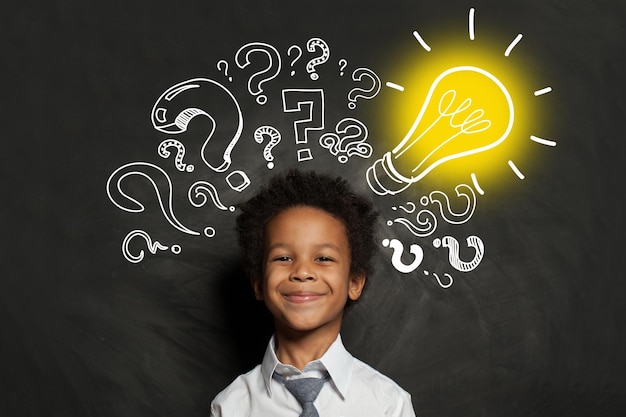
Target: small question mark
271, 71
347, 143
440, 281
357, 92
446, 211
409, 210
396, 257
311, 46
223, 63
425, 223
293, 61
274, 136
342, 65
453, 256
180, 154
199, 191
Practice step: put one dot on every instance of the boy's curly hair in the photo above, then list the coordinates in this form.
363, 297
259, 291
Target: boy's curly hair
298, 188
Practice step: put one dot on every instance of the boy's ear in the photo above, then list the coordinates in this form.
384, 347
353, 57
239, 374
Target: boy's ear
357, 281
257, 286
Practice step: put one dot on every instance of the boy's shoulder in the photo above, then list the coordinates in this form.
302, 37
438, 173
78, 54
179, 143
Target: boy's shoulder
241, 387
364, 373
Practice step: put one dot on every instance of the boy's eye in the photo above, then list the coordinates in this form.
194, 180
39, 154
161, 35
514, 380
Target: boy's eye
282, 259
324, 259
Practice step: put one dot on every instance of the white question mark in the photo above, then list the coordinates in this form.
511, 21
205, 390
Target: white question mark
311, 46
453, 256
440, 282
199, 191
309, 105
223, 63
357, 92
160, 182
271, 71
405, 209
446, 211
342, 65
396, 260
274, 136
180, 154
346, 143
179, 104
293, 61
425, 223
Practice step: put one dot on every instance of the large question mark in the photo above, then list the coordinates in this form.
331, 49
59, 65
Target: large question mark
347, 144
453, 255
223, 63
274, 138
176, 107
310, 105
156, 176
269, 72
358, 92
293, 61
311, 46
396, 257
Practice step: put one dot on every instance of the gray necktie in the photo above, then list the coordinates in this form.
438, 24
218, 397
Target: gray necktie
305, 390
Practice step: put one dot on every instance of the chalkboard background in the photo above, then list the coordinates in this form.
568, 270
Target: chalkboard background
536, 329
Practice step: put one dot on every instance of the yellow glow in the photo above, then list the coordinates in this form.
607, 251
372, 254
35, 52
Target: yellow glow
419, 70
466, 111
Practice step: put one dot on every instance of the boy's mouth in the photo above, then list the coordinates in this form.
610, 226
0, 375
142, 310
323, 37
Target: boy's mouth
302, 296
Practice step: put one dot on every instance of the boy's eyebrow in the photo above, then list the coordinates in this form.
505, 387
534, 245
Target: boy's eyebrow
318, 246
276, 245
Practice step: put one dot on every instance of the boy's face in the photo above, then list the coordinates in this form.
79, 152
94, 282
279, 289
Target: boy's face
306, 270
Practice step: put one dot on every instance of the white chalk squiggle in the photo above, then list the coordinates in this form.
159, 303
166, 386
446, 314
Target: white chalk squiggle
152, 247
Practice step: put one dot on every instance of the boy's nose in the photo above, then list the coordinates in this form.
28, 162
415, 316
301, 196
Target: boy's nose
302, 271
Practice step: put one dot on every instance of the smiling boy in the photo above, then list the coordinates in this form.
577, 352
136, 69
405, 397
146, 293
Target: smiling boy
307, 242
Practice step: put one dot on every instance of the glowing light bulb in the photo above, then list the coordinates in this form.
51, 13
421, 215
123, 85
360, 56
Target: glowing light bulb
467, 110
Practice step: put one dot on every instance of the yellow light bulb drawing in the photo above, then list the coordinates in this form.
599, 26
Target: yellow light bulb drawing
467, 111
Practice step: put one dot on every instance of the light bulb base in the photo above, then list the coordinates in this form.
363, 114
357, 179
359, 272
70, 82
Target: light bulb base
384, 179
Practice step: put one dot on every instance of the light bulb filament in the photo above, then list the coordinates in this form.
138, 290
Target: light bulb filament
474, 116
473, 123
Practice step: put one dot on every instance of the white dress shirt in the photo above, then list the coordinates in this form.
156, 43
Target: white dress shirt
354, 389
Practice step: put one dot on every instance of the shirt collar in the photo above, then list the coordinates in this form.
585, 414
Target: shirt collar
269, 364
337, 361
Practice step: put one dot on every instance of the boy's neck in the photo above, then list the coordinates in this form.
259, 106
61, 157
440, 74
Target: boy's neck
300, 348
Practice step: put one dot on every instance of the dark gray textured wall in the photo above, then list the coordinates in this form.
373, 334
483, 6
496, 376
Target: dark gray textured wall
536, 329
